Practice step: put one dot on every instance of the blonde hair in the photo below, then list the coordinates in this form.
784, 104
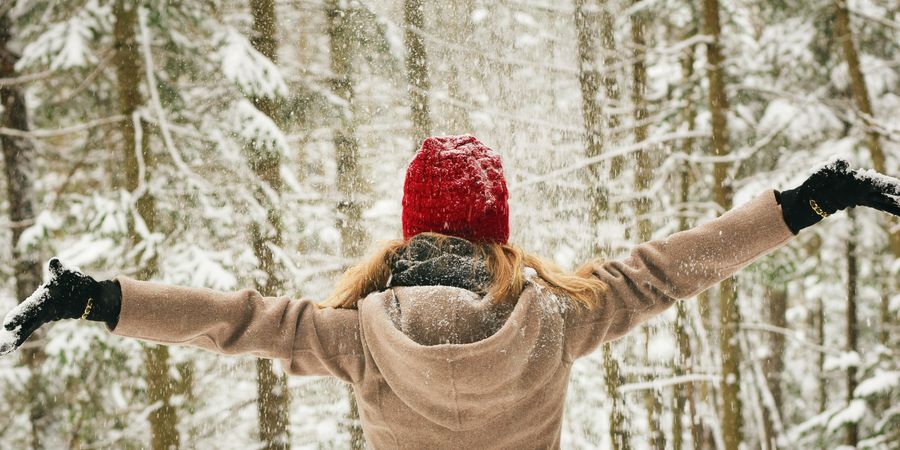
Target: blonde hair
505, 264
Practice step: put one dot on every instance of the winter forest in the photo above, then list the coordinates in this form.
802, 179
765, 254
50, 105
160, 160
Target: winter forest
261, 144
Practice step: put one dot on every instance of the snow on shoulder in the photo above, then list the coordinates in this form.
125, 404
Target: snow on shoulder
549, 301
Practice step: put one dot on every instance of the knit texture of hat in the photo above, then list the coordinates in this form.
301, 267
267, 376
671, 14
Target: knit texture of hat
455, 186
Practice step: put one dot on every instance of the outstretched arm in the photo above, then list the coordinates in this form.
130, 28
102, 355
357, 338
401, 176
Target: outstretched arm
308, 340
657, 273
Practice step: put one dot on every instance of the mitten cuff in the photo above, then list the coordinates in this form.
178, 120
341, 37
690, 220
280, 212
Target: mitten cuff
796, 209
107, 303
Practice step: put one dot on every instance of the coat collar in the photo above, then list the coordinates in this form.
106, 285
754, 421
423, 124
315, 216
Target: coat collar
453, 262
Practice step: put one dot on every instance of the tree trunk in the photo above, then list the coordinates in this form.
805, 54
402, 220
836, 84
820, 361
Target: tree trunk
591, 110
592, 113
707, 393
272, 406
852, 437
642, 178
17, 154
817, 323
884, 310
586, 24
729, 314
820, 360
273, 397
417, 68
654, 406
357, 440
773, 366
457, 119
610, 84
860, 91
349, 179
163, 419
684, 394
618, 421
732, 422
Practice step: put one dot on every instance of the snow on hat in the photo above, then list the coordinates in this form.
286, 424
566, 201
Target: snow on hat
455, 186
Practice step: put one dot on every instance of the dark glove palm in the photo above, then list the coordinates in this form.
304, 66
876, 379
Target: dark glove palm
836, 187
64, 296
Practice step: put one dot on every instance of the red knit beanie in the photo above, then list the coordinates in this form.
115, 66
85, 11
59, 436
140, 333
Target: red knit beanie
455, 186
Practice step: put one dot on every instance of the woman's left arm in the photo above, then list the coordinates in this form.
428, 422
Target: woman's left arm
659, 272
308, 340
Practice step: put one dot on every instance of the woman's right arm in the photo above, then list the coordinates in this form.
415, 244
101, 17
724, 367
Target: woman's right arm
309, 340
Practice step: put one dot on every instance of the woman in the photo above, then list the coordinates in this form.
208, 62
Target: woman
452, 337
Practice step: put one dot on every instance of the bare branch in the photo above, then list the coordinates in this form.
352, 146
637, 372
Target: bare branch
28, 78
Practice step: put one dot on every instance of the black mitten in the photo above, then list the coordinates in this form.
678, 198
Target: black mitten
835, 187
69, 294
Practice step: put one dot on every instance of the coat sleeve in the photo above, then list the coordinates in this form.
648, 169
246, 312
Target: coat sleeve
307, 339
659, 272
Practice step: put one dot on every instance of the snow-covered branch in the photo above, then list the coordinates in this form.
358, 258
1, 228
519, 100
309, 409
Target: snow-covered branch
664, 382
790, 334
46, 134
621, 151
157, 105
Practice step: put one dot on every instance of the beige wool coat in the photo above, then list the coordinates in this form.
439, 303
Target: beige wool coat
424, 371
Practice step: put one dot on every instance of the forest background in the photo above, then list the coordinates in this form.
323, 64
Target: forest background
261, 144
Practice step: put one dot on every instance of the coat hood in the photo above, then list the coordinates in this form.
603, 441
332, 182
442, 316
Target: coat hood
457, 359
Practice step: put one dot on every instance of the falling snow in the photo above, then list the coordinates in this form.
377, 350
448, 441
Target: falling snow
291, 158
